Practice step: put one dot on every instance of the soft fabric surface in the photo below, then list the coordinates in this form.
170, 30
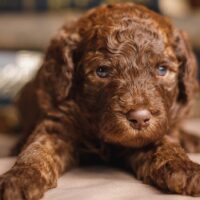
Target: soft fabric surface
100, 183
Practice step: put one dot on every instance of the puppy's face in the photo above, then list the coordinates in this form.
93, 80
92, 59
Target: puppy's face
129, 79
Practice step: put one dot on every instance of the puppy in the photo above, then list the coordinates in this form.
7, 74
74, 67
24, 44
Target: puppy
115, 86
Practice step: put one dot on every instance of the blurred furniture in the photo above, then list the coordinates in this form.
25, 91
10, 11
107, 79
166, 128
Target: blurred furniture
33, 30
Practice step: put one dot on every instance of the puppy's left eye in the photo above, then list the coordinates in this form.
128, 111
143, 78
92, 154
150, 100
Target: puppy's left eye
161, 70
102, 71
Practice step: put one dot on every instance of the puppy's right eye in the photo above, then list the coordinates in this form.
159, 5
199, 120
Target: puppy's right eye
162, 70
102, 71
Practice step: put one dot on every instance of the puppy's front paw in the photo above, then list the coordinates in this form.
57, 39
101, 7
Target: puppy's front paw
182, 177
21, 184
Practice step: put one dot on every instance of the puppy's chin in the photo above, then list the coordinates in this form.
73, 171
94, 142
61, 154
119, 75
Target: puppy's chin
116, 129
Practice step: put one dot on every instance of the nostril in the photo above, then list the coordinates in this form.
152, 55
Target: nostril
146, 120
134, 121
139, 118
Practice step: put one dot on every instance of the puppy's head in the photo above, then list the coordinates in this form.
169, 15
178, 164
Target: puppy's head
131, 72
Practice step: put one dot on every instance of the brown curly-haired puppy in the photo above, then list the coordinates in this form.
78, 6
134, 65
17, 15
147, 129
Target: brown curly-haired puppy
114, 86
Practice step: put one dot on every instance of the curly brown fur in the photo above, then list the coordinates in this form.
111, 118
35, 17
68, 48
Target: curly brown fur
79, 115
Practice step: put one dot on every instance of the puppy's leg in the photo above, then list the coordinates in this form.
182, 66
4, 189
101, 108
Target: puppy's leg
167, 166
43, 159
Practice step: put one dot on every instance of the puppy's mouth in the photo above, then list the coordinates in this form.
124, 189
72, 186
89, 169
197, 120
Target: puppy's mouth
136, 129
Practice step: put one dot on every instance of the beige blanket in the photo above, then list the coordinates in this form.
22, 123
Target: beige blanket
99, 183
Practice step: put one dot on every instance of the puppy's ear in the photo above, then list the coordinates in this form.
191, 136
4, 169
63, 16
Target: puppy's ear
188, 68
187, 80
57, 71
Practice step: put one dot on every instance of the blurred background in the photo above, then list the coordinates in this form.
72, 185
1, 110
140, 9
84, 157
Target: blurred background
26, 27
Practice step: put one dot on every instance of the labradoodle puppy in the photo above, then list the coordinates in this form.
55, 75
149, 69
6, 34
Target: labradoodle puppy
113, 86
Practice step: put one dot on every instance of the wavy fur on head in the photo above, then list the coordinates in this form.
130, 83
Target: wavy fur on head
131, 42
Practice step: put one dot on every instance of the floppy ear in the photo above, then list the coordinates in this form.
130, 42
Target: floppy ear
187, 77
56, 74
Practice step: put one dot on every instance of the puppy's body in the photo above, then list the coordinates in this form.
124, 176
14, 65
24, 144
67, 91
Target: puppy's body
115, 86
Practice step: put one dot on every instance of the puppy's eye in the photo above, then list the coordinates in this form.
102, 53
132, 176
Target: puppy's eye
162, 70
102, 71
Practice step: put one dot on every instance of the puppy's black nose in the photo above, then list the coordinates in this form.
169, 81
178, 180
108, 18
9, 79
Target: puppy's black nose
139, 118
